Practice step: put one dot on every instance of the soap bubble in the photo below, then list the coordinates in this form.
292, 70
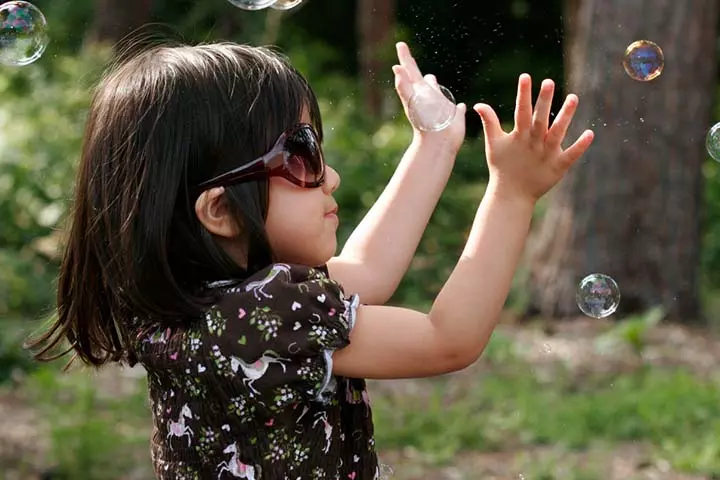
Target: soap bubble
252, 4
286, 4
712, 142
644, 60
431, 109
23, 33
598, 295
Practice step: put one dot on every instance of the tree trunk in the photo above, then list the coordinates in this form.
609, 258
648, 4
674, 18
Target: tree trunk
114, 19
375, 22
631, 207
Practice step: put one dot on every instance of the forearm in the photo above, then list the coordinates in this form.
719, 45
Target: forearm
468, 307
386, 239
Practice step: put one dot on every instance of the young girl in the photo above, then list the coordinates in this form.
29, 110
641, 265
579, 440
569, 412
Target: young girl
202, 246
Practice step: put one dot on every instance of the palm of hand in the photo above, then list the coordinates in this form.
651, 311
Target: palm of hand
409, 80
530, 160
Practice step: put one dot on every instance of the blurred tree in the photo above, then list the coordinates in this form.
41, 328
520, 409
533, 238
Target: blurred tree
631, 207
375, 27
114, 19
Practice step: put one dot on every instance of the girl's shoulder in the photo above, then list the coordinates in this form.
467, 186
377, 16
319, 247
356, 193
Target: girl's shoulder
282, 287
292, 315
276, 275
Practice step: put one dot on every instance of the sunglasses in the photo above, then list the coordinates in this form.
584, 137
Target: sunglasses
296, 156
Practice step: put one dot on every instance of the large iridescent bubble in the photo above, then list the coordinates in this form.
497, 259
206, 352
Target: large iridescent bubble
431, 109
23, 33
598, 295
644, 60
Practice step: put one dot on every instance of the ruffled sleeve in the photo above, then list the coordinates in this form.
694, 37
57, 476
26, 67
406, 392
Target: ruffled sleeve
275, 334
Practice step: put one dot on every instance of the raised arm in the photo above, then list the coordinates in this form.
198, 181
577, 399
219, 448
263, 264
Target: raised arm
524, 164
381, 248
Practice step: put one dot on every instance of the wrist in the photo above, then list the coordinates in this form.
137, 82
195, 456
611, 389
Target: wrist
436, 144
504, 193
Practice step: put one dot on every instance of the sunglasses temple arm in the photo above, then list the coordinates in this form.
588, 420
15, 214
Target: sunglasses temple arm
276, 150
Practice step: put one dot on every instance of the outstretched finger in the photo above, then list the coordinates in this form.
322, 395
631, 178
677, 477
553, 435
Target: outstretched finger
490, 120
523, 103
541, 117
408, 62
577, 149
403, 86
560, 126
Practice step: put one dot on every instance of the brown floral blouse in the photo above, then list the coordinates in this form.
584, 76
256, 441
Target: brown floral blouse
248, 392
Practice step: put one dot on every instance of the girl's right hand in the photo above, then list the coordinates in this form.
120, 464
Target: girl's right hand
529, 161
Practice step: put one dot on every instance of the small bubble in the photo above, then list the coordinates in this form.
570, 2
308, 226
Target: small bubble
712, 142
252, 4
644, 60
547, 348
431, 109
598, 295
23, 33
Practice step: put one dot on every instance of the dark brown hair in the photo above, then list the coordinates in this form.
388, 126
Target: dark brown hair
159, 124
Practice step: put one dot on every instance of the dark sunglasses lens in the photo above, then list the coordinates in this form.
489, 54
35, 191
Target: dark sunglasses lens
304, 158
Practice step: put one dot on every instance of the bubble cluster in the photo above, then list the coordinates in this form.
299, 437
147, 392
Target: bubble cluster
644, 60
23, 33
286, 4
252, 4
712, 142
431, 109
598, 295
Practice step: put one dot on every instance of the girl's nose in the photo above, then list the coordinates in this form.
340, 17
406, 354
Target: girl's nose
332, 180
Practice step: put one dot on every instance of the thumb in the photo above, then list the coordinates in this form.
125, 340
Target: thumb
490, 120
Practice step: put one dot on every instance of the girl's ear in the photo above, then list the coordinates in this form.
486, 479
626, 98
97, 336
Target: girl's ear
212, 211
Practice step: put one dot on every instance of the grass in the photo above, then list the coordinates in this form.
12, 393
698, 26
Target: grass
502, 405
677, 413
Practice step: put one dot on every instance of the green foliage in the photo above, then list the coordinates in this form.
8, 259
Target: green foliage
104, 434
632, 331
93, 435
673, 410
41, 125
15, 361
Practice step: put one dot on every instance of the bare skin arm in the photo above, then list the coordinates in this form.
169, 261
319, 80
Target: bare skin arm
379, 251
524, 164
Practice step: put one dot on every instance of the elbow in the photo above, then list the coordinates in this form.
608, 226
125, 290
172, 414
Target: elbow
459, 359
466, 360
463, 355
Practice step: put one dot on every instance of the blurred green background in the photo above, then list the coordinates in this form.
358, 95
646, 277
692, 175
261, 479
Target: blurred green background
555, 395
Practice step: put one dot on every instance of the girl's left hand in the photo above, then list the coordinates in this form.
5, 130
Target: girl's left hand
407, 80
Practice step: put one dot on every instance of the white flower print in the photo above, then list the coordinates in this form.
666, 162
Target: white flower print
222, 363
300, 454
216, 323
282, 398
318, 474
279, 446
241, 407
319, 334
265, 320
